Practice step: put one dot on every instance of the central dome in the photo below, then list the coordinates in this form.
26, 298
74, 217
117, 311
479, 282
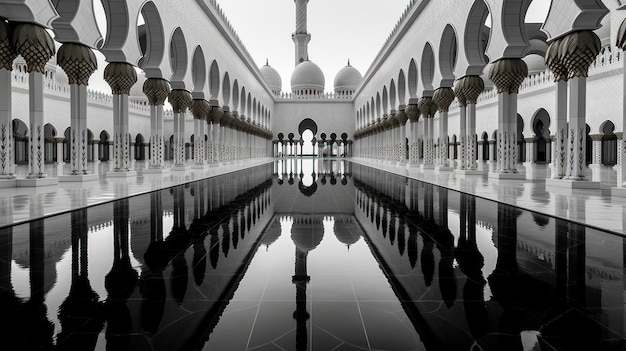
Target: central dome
307, 79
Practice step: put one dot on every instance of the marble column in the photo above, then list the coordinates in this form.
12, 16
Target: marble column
79, 63
121, 76
200, 109
413, 113
36, 46
428, 109
180, 100
443, 98
507, 74
401, 117
460, 97
472, 87
59, 145
215, 116
156, 90
621, 147
555, 63
7, 56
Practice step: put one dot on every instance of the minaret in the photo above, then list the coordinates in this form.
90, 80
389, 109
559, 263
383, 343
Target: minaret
301, 37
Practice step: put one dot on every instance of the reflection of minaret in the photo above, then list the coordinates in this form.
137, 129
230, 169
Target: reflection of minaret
301, 37
300, 279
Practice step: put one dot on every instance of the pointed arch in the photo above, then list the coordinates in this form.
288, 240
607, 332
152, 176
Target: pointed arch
448, 56
151, 38
178, 59
235, 95
226, 89
413, 77
214, 80
476, 37
401, 88
198, 70
428, 67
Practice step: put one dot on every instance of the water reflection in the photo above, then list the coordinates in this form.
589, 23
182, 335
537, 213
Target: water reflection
310, 255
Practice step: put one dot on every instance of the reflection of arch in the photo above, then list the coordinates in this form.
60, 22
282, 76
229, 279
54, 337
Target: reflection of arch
428, 67
307, 190
609, 144
485, 139
153, 38
447, 56
475, 43
198, 70
178, 58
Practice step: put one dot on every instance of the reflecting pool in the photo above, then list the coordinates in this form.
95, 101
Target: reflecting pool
309, 254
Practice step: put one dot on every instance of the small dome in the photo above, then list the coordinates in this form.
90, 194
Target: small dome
348, 79
307, 78
536, 63
347, 234
272, 78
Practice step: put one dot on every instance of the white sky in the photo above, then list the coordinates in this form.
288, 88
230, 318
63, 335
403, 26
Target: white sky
340, 29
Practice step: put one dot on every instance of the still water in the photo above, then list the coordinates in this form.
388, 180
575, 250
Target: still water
310, 255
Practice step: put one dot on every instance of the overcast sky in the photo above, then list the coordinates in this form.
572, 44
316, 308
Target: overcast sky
340, 29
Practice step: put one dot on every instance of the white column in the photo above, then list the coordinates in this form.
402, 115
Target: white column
561, 135
577, 128
78, 129
36, 164
7, 158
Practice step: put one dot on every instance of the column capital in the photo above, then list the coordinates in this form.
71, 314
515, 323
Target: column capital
619, 135
36, 46
508, 74
180, 99
78, 61
156, 90
579, 50
596, 137
554, 60
200, 109
530, 140
469, 87
443, 98
7, 51
413, 112
216, 114
401, 117
427, 106
120, 76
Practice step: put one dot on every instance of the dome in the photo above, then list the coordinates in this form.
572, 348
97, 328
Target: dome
307, 79
348, 79
136, 91
272, 78
535, 63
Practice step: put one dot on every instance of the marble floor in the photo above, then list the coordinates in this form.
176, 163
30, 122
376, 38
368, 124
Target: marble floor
594, 208
21, 204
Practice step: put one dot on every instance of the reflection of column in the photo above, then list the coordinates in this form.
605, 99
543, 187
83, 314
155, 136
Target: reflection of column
570, 263
7, 158
36, 46
35, 311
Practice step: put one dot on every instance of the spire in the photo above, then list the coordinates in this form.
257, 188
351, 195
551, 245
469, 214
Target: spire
349, 62
267, 61
301, 37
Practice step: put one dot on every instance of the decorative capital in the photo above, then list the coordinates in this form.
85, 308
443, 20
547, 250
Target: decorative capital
554, 61
157, 90
200, 109
579, 50
471, 87
34, 44
121, 76
180, 100
458, 91
7, 51
78, 61
443, 98
216, 114
402, 117
427, 106
413, 112
508, 74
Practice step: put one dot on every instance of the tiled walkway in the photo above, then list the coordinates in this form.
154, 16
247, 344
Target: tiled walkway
18, 205
595, 208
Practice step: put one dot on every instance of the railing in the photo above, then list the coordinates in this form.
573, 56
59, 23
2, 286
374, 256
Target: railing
323, 96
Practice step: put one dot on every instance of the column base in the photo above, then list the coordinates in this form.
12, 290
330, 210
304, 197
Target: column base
507, 176
618, 192
155, 171
180, 168
214, 165
427, 167
444, 169
201, 167
36, 182
126, 174
8, 183
413, 165
572, 184
536, 171
79, 178
468, 172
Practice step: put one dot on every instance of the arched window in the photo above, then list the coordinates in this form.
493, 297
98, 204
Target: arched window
609, 144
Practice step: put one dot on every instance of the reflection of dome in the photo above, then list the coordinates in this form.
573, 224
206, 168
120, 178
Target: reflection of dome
271, 235
307, 236
347, 80
272, 78
307, 79
346, 233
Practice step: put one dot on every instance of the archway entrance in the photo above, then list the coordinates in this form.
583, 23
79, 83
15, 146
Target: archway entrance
308, 130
